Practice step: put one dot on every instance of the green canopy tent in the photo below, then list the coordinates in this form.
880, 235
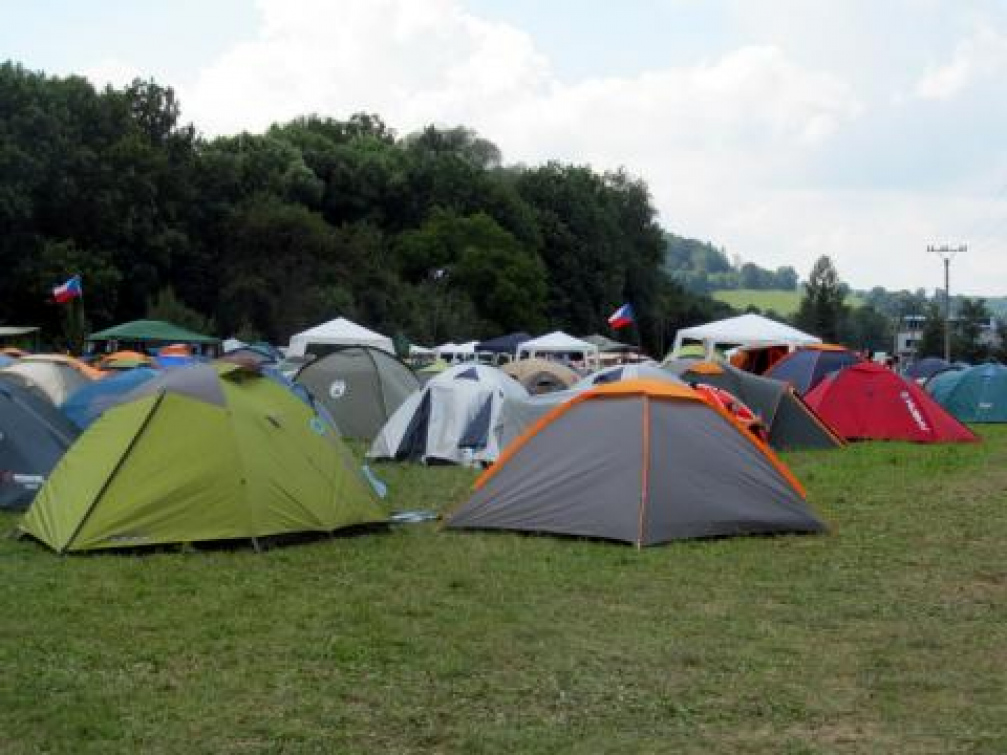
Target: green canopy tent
144, 333
203, 453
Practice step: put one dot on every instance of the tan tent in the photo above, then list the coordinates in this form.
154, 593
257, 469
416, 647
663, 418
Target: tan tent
541, 375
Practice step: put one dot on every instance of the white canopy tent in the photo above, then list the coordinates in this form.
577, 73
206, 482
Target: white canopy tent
320, 339
744, 330
560, 343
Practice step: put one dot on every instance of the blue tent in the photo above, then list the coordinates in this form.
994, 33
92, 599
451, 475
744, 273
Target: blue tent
926, 368
90, 401
977, 394
504, 344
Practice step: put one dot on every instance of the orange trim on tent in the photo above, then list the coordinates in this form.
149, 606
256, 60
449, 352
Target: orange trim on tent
706, 368
648, 388
823, 347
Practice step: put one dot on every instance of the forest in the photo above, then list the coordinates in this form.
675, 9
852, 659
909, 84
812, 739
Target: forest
428, 236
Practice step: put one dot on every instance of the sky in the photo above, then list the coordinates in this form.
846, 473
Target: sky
779, 130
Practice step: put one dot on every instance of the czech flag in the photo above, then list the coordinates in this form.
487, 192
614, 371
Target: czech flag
621, 317
69, 290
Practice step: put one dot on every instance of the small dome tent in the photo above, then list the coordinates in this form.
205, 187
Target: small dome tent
808, 366
975, 394
454, 418
791, 422
33, 438
360, 386
206, 453
637, 461
868, 401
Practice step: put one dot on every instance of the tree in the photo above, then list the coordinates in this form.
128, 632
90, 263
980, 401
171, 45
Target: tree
967, 343
932, 338
822, 310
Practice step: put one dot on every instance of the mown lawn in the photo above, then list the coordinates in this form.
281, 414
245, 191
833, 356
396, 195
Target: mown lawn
887, 635
781, 302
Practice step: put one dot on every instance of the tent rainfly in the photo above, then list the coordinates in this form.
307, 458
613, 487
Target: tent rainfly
504, 344
559, 343
642, 462
327, 337
151, 331
745, 330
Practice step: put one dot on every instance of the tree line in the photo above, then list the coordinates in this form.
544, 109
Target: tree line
701, 268
428, 236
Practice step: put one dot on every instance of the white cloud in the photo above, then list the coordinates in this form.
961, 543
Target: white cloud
112, 71
725, 143
983, 56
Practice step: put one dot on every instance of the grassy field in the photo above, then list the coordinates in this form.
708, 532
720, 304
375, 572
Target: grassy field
887, 635
781, 302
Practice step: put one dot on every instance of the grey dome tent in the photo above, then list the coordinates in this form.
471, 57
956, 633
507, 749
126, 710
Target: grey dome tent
34, 435
360, 386
638, 461
791, 422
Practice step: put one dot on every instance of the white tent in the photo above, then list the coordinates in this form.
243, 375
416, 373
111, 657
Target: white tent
745, 330
338, 332
557, 343
454, 418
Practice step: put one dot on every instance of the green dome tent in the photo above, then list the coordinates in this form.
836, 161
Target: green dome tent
203, 453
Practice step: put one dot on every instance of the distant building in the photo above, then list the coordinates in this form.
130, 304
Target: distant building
907, 339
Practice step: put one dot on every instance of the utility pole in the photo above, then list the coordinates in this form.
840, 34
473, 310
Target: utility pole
947, 253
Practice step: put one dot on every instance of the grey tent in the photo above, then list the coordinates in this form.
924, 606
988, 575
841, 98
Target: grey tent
33, 437
791, 422
454, 418
641, 371
360, 386
642, 462
518, 414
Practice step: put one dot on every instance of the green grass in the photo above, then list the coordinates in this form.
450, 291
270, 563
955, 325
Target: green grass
781, 302
887, 635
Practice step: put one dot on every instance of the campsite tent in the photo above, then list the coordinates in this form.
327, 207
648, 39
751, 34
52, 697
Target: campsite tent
54, 375
560, 345
453, 419
151, 333
212, 452
327, 337
922, 370
975, 394
540, 376
503, 344
360, 386
642, 371
744, 330
869, 401
805, 368
91, 400
33, 437
791, 422
642, 462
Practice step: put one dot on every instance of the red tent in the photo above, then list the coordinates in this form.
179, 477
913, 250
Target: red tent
870, 401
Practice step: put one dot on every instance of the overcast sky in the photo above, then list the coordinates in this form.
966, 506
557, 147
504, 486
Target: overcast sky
779, 129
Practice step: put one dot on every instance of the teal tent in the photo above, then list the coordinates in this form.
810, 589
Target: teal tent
976, 394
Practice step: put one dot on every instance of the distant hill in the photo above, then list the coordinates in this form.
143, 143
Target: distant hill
781, 302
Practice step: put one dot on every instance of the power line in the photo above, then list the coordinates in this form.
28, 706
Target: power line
947, 253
